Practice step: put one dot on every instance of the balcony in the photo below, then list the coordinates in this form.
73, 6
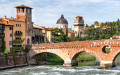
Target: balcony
18, 34
18, 49
2, 28
1, 48
18, 41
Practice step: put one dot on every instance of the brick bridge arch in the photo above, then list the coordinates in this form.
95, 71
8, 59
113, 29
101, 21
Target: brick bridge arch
33, 53
68, 50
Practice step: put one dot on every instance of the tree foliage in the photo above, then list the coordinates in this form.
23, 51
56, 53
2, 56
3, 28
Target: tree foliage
93, 33
59, 35
99, 33
6, 51
96, 22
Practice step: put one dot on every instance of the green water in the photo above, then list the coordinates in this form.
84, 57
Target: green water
88, 63
86, 59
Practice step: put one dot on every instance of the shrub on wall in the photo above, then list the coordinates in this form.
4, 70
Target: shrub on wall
6, 51
18, 48
18, 41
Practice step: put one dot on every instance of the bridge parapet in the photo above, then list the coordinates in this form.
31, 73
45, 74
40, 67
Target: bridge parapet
80, 44
67, 50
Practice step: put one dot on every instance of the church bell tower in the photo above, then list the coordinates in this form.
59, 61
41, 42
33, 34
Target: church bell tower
79, 26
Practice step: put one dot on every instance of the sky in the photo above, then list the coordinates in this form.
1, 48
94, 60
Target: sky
47, 12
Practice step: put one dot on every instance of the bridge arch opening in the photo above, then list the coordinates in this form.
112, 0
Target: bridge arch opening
116, 60
106, 49
47, 58
84, 58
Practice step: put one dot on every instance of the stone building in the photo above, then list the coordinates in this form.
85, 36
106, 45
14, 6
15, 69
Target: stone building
22, 27
41, 35
79, 26
97, 25
44, 33
62, 23
71, 33
106, 27
49, 38
1, 36
25, 13
6, 35
37, 36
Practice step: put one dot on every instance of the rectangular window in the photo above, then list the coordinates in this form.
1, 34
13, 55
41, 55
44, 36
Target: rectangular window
17, 38
6, 22
18, 25
28, 10
10, 49
11, 35
11, 28
10, 43
23, 10
1, 42
0, 20
0, 27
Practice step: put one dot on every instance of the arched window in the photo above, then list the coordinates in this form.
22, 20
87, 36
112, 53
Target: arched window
23, 10
18, 9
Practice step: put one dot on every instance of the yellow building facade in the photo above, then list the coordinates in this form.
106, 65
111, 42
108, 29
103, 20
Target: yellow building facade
49, 38
23, 24
22, 27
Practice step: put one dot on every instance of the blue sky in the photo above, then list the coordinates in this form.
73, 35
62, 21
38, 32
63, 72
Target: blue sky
47, 12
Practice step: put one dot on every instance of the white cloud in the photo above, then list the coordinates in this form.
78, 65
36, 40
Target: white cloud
2, 0
46, 12
96, 1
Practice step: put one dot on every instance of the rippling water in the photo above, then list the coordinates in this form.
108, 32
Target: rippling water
59, 70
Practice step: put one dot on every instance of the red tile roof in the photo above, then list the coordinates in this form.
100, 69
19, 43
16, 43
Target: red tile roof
98, 25
49, 29
23, 6
5, 22
37, 27
78, 16
69, 31
12, 19
106, 27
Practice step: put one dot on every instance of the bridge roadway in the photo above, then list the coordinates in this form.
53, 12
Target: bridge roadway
69, 51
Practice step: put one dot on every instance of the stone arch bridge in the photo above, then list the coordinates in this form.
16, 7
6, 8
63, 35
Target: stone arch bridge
69, 50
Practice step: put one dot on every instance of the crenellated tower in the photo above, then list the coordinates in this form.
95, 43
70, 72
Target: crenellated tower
79, 26
24, 13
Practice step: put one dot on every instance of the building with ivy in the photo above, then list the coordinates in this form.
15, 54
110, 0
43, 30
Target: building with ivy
22, 27
6, 35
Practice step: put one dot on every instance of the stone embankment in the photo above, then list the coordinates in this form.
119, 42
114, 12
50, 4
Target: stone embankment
12, 60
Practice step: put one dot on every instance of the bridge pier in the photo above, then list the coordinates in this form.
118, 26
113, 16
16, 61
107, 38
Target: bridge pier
32, 61
67, 63
106, 64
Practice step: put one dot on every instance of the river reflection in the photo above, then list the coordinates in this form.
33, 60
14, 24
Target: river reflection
60, 70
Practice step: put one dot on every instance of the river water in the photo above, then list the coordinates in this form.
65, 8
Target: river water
60, 70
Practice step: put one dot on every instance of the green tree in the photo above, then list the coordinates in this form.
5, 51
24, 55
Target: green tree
96, 22
6, 51
59, 35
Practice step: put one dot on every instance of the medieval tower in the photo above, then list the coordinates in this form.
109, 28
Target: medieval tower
25, 13
79, 26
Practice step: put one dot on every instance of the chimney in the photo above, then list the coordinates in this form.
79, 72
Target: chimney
71, 27
11, 17
4, 17
6, 22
